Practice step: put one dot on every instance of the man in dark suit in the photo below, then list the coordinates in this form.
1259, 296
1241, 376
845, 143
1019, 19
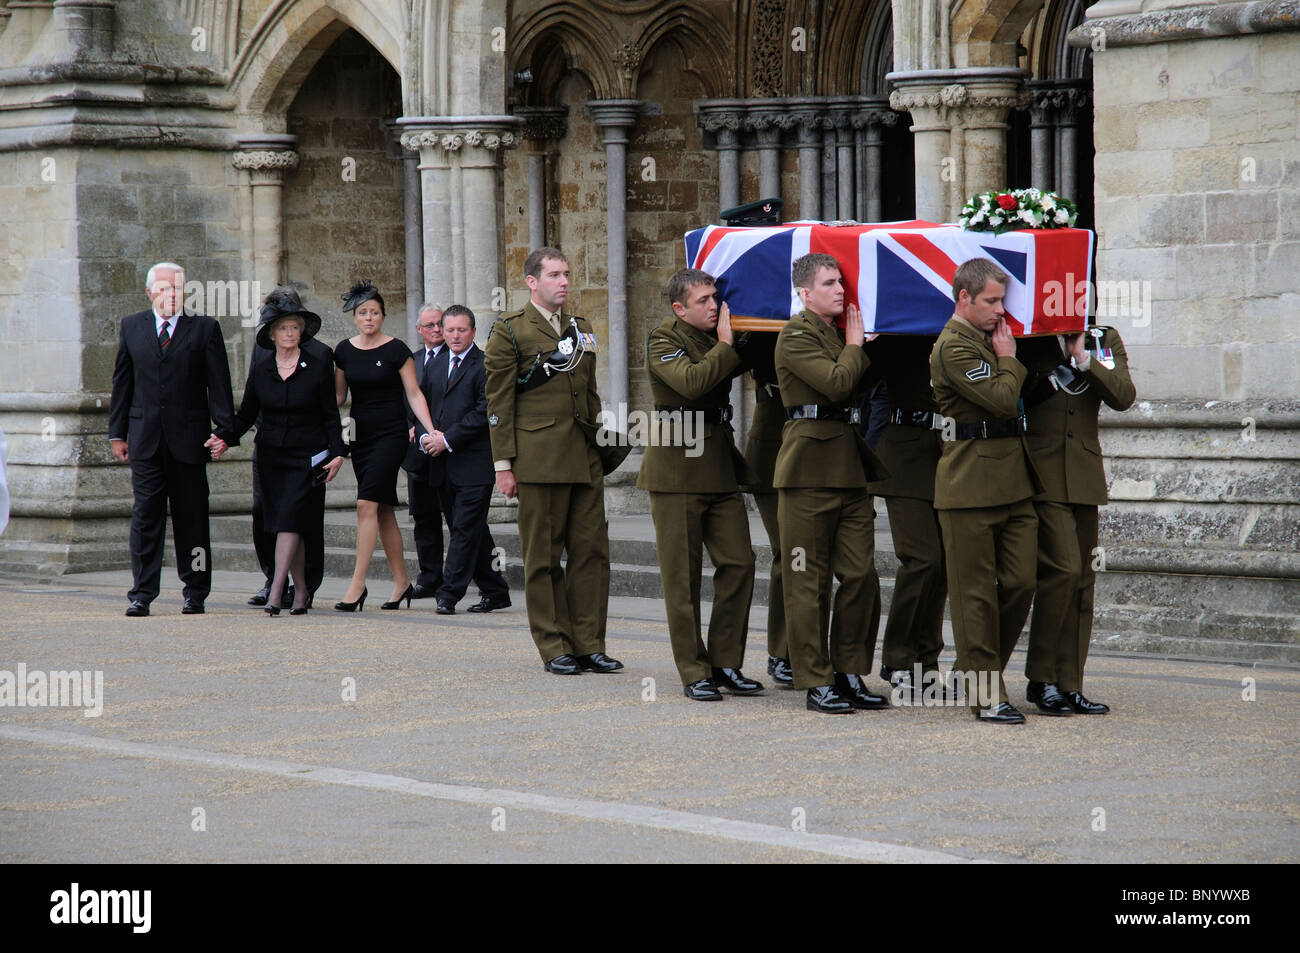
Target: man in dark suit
421, 494
171, 382
461, 464
264, 542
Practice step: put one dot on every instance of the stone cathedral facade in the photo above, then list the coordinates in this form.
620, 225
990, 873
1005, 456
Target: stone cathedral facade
428, 144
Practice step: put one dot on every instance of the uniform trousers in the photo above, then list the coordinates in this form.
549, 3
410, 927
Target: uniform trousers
157, 482
914, 629
777, 644
567, 604
990, 554
828, 534
685, 525
1061, 628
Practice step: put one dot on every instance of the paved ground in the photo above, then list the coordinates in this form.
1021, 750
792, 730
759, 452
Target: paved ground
236, 722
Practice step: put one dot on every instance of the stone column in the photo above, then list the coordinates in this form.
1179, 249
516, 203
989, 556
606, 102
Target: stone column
870, 120
830, 194
543, 126
615, 118
1072, 100
808, 119
266, 157
460, 186
725, 119
1042, 110
839, 111
971, 102
768, 120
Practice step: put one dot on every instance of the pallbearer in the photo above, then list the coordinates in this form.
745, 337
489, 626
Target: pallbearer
909, 448
827, 526
693, 473
983, 485
1069, 379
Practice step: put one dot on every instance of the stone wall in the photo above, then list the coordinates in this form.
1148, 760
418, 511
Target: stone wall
1198, 193
339, 229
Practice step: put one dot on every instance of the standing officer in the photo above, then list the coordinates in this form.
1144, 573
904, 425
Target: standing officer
543, 410
1069, 378
983, 484
694, 490
761, 449
909, 448
827, 526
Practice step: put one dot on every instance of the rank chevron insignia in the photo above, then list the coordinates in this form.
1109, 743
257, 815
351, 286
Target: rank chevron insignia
979, 373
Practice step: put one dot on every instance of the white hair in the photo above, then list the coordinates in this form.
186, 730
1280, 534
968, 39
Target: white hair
428, 306
161, 266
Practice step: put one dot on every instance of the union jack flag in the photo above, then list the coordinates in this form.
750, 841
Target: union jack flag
899, 274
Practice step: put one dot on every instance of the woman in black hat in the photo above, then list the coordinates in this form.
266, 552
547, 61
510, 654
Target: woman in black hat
299, 440
381, 374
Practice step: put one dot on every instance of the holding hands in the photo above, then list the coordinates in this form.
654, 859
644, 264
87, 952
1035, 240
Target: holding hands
216, 445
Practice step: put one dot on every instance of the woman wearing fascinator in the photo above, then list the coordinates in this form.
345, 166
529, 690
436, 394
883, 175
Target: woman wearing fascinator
380, 372
292, 400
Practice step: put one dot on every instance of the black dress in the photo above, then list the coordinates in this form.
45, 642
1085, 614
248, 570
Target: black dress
379, 439
299, 418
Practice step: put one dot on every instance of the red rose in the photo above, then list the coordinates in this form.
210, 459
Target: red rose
1007, 201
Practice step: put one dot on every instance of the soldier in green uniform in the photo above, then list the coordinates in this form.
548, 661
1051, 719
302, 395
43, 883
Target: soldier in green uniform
692, 471
761, 449
1069, 378
909, 448
827, 527
983, 486
543, 412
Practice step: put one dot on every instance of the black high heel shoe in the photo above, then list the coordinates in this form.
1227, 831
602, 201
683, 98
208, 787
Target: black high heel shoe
397, 603
274, 610
302, 611
352, 606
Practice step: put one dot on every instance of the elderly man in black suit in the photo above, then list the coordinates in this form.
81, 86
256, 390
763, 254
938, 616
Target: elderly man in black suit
171, 382
461, 464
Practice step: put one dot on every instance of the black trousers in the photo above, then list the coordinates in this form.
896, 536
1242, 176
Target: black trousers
426, 512
158, 482
264, 543
469, 550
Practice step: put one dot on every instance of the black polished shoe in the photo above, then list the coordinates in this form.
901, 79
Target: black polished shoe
259, 598
900, 684
779, 669
599, 662
488, 603
1082, 706
407, 594
563, 665
137, 608
825, 699
445, 607
357, 606
302, 611
1049, 698
702, 691
423, 592
273, 610
1003, 713
854, 690
736, 682
192, 607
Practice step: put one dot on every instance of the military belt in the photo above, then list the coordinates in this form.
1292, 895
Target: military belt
850, 415
992, 429
911, 417
712, 415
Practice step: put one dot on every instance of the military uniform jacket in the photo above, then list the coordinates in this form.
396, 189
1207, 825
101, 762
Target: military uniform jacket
911, 454
690, 368
813, 366
544, 432
1062, 433
972, 384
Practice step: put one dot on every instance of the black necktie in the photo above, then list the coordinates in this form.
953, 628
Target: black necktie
455, 363
163, 337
